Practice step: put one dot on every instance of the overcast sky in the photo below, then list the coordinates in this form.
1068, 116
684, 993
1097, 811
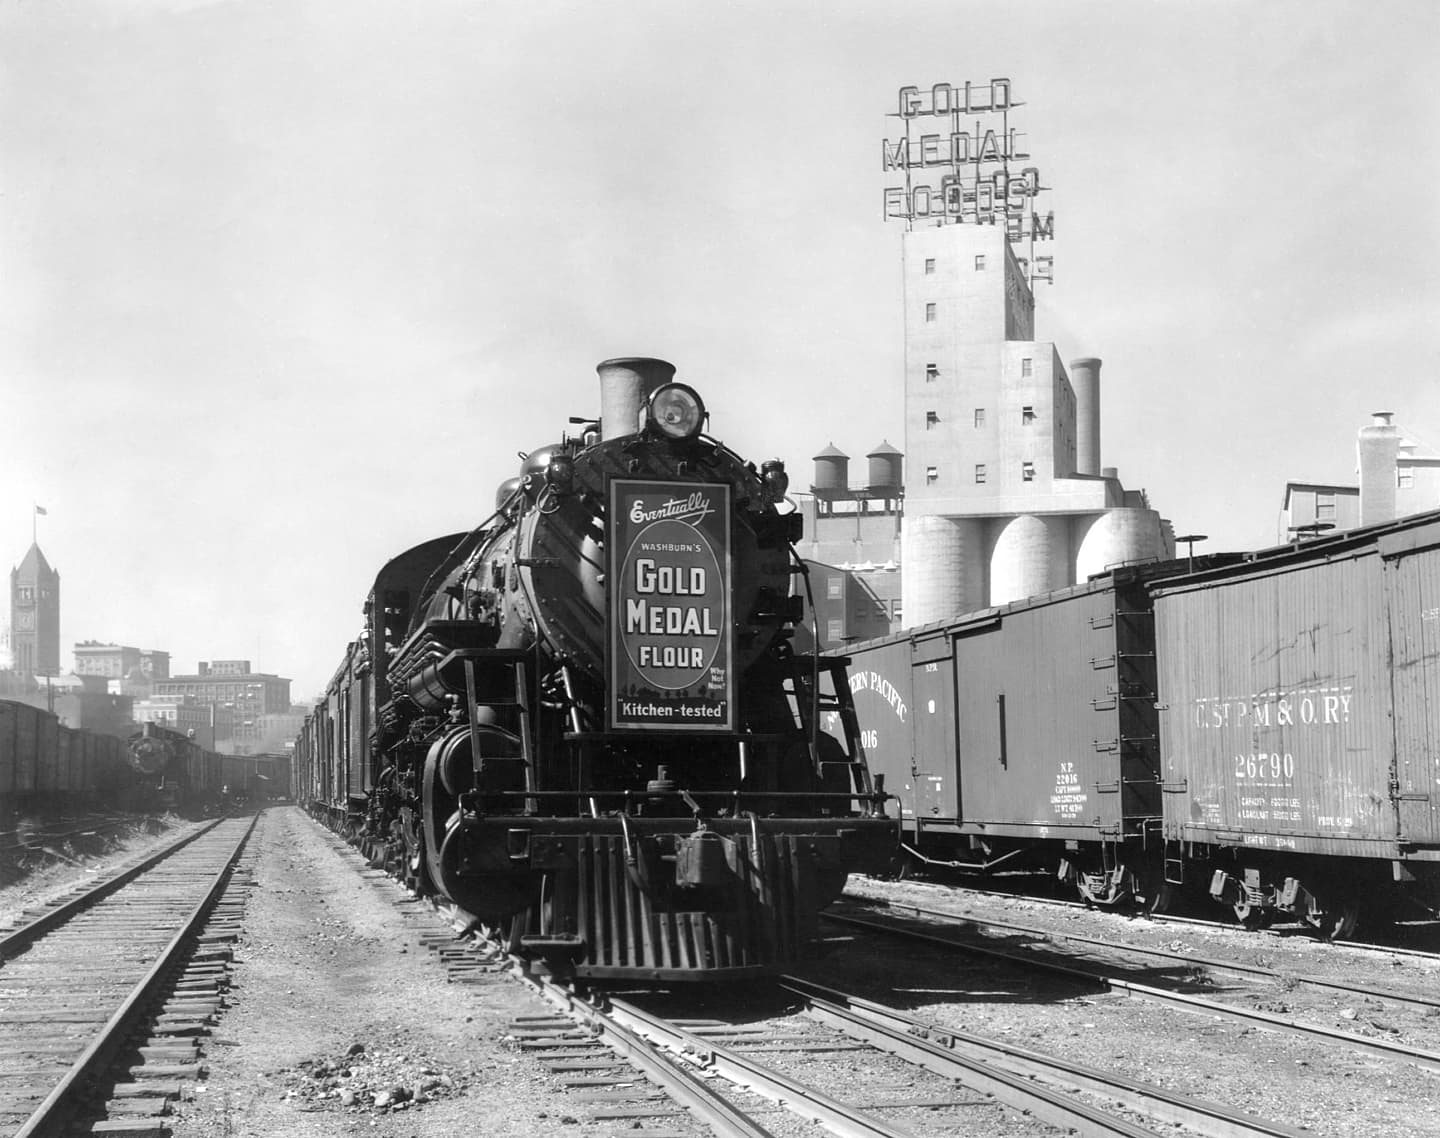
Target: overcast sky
284, 286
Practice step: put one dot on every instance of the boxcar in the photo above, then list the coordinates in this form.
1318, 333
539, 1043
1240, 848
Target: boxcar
46, 765
1031, 722
1301, 701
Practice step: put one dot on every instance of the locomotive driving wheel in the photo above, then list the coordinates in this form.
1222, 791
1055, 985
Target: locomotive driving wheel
489, 886
417, 876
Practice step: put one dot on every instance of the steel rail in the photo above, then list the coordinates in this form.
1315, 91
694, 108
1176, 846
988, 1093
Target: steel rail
53, 1112
1418, 1056
681, 1085
957, 1054
1171, 919
94, 824
846, 1121
1209, 963
17, 939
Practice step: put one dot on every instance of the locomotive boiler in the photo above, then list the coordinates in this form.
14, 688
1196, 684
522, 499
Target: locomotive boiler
584, 722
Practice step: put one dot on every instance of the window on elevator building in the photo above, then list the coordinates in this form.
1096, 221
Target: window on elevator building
1027, 366
931, 420
1027, 415
979, 416
929, 266
979, 472
979, 262
1027, 471
932, 372
932, 474
930, 312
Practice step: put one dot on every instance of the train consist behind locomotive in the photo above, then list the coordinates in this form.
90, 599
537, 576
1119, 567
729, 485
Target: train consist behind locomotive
1261, 727
584, 721
47, 767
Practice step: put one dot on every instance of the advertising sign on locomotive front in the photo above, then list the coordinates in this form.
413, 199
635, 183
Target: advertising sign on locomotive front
670, 654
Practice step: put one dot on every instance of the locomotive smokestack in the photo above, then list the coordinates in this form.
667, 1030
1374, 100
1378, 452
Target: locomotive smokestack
625, 385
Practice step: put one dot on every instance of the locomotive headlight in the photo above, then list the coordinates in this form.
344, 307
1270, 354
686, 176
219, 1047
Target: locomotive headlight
676, 411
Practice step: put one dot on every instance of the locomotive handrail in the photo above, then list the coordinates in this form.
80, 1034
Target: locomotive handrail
644, 796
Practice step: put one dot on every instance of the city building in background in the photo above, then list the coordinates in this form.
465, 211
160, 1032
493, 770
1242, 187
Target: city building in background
35, 615
250, 698
851, 545
211, 725
127, 671
1317, 507
225, 706
1398, 476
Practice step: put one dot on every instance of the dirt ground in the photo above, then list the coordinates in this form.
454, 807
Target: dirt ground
1325, 1088
342, 1022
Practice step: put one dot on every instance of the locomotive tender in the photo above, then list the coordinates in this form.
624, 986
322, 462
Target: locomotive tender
584, 722
1263, 727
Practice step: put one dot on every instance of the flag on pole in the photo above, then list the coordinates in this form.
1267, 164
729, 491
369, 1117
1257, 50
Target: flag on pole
41, 511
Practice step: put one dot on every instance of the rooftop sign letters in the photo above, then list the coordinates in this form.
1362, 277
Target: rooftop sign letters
962, 163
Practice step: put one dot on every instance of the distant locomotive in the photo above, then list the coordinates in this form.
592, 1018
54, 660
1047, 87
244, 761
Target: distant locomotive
1263, 727
178, 772
46, 766
584, 722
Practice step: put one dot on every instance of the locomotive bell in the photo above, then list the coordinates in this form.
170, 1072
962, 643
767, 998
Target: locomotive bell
772, 473
532, 470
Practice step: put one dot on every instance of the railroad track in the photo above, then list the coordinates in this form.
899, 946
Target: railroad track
1376, 943
939, 1079
637, 1063
1425, 1003
1048, 957
79, 981
861, 1067
41, 839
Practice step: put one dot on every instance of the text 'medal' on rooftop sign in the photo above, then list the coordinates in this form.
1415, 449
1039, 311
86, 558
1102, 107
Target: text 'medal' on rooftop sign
973, 163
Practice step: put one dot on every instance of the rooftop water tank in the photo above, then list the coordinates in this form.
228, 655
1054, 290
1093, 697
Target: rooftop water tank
886, 468
832, 471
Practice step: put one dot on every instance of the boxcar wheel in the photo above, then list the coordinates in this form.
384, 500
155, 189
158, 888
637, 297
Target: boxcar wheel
1253, 917
1160, 897
1339, 923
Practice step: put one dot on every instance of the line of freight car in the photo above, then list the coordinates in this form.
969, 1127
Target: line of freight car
1260, 728
49, 768
585, 722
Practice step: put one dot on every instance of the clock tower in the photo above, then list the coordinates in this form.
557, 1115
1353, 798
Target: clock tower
35, 615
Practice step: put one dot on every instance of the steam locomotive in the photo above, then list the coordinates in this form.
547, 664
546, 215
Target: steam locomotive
585, 723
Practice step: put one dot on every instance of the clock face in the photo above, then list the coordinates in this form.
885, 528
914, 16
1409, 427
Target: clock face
25, 620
